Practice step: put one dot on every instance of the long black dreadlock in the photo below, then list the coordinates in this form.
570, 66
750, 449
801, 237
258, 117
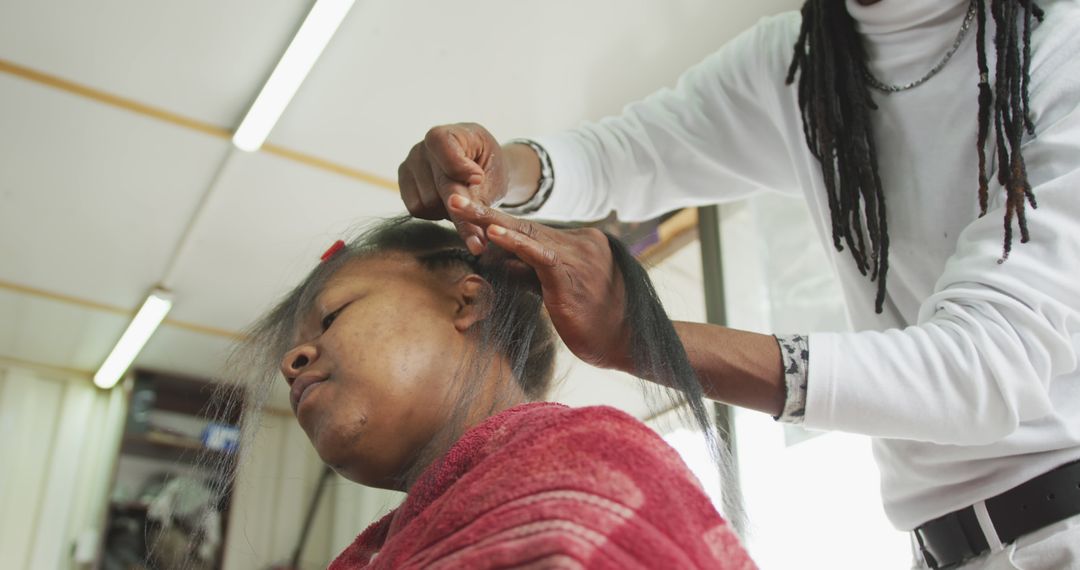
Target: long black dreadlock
834, 99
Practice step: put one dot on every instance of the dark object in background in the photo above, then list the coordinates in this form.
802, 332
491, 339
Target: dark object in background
143, 397
125, 543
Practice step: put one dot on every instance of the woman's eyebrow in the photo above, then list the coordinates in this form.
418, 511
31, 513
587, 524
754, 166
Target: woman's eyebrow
318, 300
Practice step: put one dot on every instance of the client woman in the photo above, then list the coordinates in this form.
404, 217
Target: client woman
415, 366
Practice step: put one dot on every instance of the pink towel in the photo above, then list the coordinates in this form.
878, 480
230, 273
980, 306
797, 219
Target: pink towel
546, 486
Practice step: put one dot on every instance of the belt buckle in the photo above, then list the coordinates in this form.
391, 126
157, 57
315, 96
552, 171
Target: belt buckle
958, 537
927, 556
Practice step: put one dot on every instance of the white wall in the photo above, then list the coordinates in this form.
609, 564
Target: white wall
58, 440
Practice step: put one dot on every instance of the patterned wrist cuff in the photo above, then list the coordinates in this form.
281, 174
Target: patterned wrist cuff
795, 353
546, 183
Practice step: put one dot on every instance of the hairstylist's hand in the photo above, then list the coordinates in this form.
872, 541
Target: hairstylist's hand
453, 159
581, 287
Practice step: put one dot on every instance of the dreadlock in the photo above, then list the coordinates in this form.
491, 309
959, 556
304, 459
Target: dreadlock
835, 103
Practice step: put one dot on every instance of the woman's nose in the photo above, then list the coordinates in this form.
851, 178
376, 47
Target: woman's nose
296, 360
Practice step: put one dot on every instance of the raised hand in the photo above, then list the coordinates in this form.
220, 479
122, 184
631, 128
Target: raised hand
461, 159
582, 289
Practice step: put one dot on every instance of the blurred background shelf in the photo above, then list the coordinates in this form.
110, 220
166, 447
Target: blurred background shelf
167, 447
166, 456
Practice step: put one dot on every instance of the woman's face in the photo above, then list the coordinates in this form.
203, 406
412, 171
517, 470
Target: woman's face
375, 358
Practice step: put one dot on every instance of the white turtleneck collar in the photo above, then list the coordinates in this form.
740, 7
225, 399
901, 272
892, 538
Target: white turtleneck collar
904, 39
893, 16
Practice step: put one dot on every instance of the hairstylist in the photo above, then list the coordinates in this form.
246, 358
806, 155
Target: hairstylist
937, 144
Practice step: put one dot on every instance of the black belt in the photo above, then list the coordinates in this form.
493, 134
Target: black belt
1051, 497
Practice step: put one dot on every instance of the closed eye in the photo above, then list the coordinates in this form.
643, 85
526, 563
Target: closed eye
329, 319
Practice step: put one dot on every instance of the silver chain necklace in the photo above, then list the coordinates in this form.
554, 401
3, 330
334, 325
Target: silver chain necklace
877, 84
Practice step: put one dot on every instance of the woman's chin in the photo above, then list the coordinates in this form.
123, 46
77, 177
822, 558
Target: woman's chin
351, 465
359, 475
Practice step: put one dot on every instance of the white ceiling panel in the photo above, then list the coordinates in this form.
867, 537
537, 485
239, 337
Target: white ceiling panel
56, 333
182, 351
398, 67
93, 198
265, 226
205, 59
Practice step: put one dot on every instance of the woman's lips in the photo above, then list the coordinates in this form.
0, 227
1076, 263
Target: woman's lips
300, 388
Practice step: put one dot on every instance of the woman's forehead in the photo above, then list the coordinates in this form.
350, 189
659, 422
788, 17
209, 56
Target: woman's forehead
368, 271
373, 267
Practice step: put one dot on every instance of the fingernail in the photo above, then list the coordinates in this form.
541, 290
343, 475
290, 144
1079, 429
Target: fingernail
474, 244
497, 230
459, 201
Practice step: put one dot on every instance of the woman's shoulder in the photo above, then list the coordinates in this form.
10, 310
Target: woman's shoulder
555, 412
593, 478
593, 441
552, 420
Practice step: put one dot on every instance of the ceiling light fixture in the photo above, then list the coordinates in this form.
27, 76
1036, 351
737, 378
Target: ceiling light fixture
140, 330
318, 27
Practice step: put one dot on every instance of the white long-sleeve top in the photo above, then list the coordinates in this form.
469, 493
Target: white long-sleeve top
968, 380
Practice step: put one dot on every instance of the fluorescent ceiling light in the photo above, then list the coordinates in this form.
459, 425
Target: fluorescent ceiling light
144, 324
319, 26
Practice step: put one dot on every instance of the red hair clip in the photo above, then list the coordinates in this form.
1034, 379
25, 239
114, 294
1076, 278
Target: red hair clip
338, 246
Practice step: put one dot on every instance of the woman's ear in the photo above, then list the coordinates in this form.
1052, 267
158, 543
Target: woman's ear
472, 294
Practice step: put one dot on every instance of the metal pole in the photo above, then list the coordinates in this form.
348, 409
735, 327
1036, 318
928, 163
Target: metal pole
712, 270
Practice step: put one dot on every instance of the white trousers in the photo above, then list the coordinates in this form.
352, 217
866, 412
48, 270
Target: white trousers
1054, 547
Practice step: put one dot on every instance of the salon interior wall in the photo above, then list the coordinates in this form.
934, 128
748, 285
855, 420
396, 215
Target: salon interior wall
60, 435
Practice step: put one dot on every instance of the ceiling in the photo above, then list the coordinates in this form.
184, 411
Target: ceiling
117, 173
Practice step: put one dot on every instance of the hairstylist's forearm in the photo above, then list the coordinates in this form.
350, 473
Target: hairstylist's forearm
740, 368
523, 168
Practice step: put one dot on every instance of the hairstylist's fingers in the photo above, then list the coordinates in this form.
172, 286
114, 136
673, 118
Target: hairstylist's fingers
416, 187
473, 234
484, 216
530, 242
448, 148
407, 184
432, 207
540, 257
407, 188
